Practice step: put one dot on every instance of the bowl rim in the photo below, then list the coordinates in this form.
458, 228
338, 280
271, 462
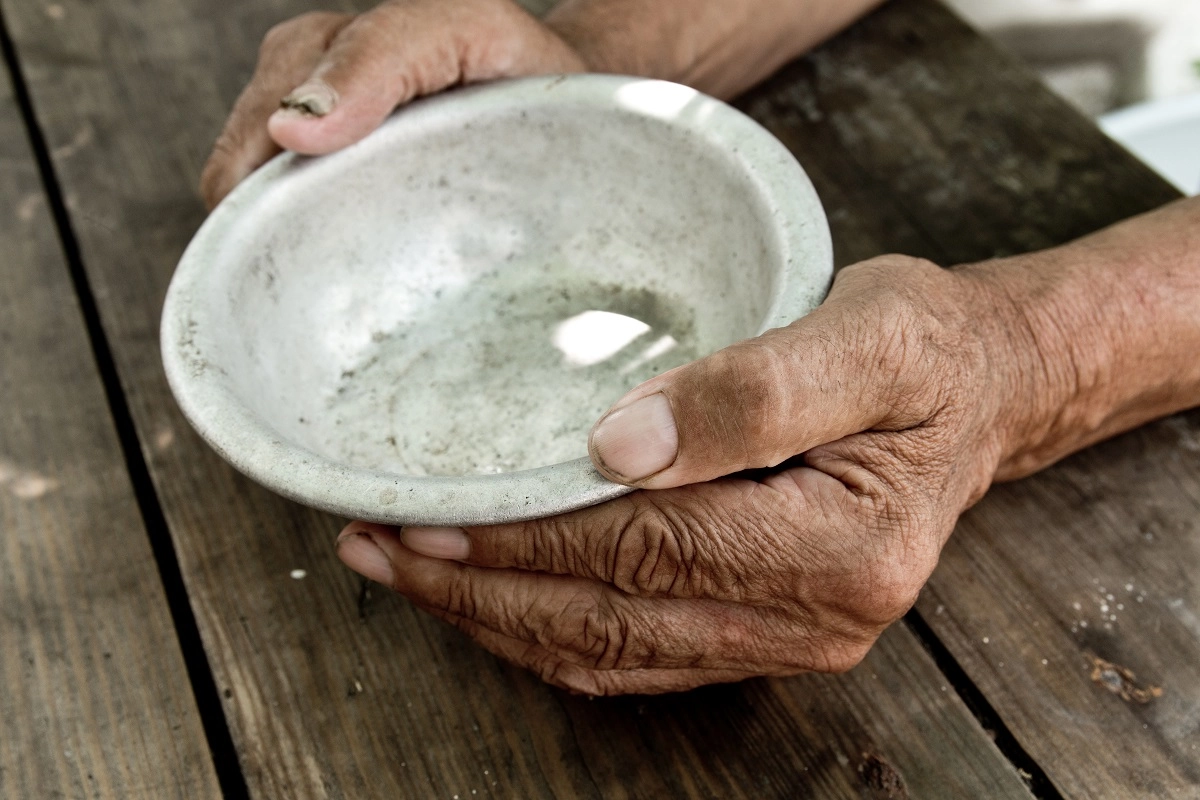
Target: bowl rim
289, 469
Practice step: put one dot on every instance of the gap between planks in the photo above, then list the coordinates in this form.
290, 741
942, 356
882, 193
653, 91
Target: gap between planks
204, 689
1035, 777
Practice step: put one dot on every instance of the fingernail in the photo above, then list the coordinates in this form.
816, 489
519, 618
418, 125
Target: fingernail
639, 440
449, 543
314, 98
360, 553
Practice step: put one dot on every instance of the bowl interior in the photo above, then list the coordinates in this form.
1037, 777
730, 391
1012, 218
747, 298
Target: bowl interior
469, 298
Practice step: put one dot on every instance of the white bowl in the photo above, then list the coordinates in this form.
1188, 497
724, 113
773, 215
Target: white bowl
422, 328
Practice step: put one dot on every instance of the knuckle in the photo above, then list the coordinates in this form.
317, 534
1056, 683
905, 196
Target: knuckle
754, 375
889, 591
285, 34
893, 338
379, 29
890, 272
459, 597
843, 658
279, 35
646, 554
878, 580
661, 550
541, 546
602, 638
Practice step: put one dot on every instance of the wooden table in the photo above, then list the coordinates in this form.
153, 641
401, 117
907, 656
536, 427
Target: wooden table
155, 644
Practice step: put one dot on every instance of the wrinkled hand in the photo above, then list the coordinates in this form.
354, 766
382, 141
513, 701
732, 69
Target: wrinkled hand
893, 393
326, 80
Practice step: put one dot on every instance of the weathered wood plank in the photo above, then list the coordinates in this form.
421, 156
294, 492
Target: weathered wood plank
959, 157
94, 697
330, 696
1071, 579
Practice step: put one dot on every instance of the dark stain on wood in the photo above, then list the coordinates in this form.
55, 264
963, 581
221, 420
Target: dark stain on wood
882, 780
1122, 682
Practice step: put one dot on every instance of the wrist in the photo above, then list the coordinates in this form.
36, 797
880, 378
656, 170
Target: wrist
611, 42
1037, 379
718, 47
1092, 338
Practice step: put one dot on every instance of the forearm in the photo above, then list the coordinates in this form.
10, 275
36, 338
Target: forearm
721, 47
1113, 321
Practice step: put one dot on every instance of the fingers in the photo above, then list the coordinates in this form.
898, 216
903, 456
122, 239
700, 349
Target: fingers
289, 52
581, 680
854, 364
585, 622
712, 541
324, 81
404, 49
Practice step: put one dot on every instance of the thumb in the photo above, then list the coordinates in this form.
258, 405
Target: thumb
760, 402
401, 50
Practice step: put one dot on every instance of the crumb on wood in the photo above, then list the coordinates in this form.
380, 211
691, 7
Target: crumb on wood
1122, 682
882, 778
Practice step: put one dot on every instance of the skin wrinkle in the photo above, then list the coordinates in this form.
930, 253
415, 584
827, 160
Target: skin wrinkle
676, 540
549, 648
599, 618
547, 638
685, 573
613, 633
745, 580
577, 679
460, 598
654, 524
736, 423
727, 566
616, 574
563, 560
766, 401
651, 564
574, 644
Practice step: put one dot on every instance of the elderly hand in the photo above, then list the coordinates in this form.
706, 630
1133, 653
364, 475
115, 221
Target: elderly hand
894, 395
326, 80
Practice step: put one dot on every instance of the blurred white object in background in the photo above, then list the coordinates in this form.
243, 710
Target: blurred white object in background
1165, 134
1133, 64
1099, 54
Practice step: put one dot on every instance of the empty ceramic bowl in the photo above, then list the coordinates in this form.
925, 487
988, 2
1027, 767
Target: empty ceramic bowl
423, 328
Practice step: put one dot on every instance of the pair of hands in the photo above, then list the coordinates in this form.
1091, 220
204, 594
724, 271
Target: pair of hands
893, 392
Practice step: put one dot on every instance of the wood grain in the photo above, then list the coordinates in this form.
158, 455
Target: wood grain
331, 694
95, 700
922, 141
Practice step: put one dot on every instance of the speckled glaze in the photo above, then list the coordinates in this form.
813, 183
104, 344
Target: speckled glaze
423, 327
